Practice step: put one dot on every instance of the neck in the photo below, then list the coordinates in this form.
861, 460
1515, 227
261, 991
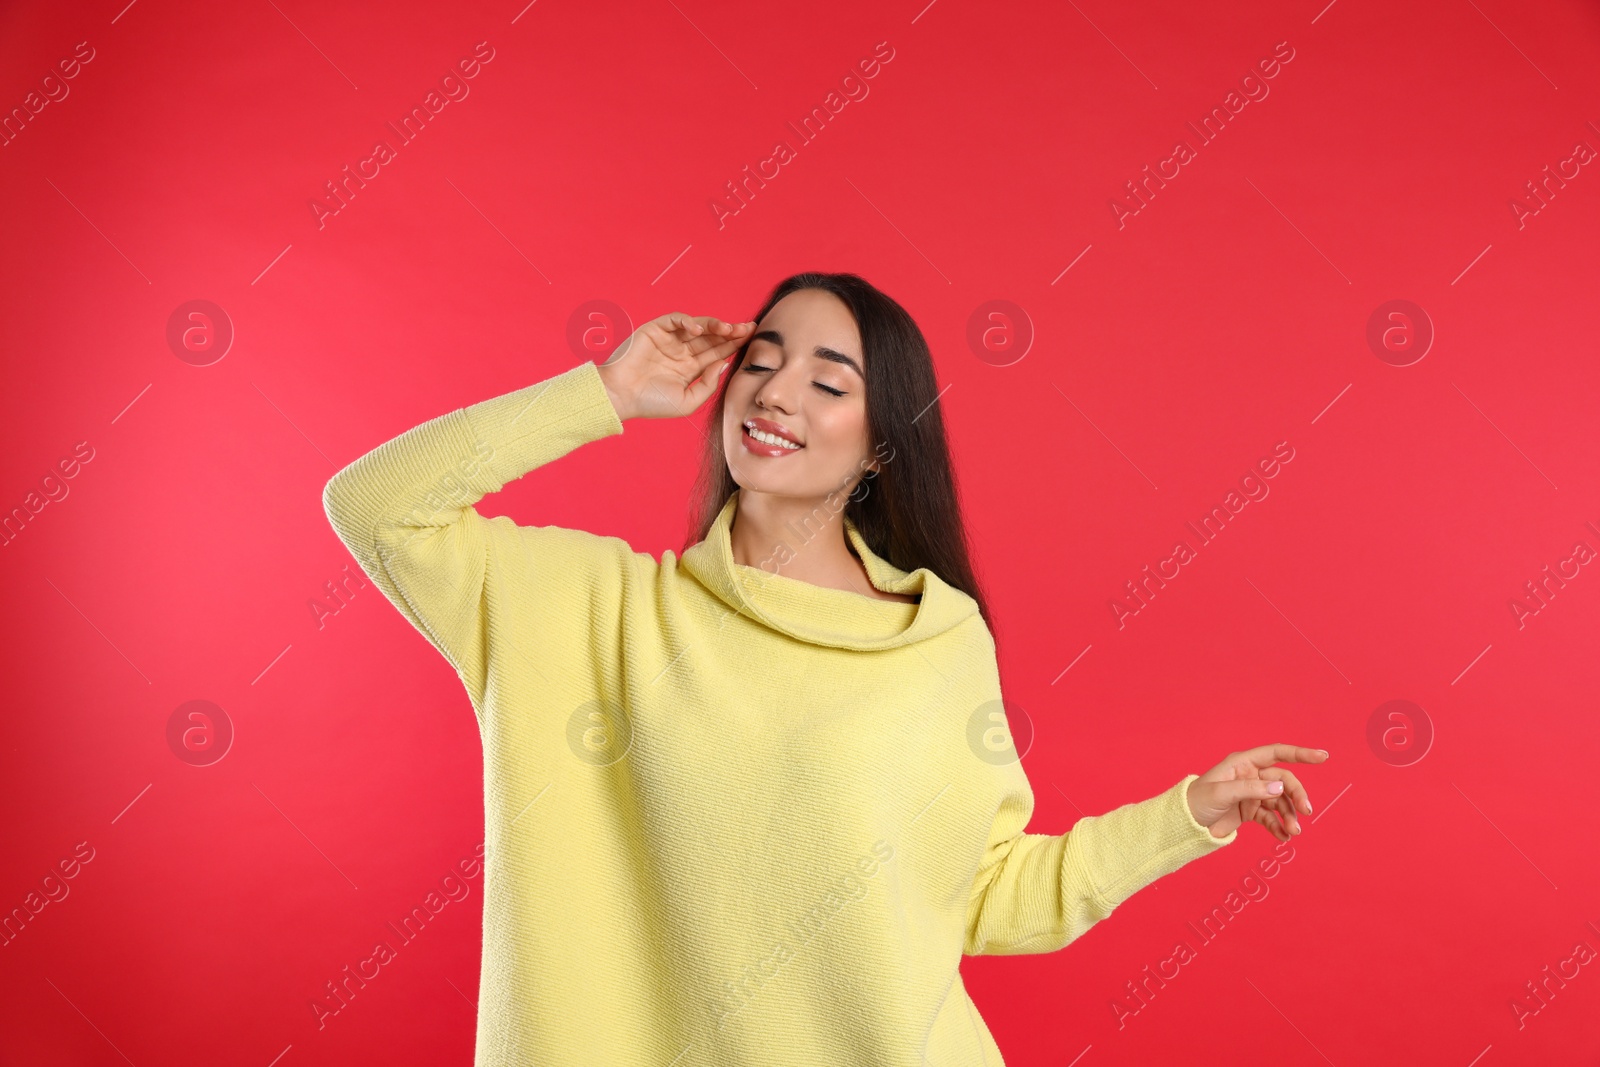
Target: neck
798, 537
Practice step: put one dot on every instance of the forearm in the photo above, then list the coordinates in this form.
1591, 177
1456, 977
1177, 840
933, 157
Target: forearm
1040, 892
422, 477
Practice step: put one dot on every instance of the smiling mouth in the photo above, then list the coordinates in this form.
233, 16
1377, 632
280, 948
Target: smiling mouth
767, 444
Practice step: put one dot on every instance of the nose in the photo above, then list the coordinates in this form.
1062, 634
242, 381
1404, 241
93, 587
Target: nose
775, 392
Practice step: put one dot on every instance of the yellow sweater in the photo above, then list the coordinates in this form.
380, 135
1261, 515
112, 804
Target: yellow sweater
732, 818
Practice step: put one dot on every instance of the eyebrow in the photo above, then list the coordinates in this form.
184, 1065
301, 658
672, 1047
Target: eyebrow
821, 351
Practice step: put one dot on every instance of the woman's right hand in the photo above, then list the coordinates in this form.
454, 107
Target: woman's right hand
1247, 786
670, 366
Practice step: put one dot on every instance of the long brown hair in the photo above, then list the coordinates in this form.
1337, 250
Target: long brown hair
908, 511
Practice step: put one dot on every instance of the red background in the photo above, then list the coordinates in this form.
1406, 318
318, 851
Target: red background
1227, 315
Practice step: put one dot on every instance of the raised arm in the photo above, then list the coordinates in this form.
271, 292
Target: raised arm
404, 510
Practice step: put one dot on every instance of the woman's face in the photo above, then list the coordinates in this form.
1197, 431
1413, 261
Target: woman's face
802, 378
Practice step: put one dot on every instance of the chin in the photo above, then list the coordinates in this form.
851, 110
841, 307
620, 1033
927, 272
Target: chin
765, 483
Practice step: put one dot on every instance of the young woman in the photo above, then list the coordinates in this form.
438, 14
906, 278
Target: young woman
751, 804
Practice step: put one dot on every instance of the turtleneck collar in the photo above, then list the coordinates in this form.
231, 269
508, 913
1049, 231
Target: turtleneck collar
837, 618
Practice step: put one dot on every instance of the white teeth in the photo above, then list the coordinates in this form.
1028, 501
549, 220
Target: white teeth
769, 438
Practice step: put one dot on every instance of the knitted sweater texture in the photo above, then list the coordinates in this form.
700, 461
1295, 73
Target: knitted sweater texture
732, 818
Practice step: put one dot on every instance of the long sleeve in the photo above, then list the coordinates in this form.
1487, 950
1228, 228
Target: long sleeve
405, 511
1038, 892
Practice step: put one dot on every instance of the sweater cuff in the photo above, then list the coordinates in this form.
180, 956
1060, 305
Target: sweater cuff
1134, 845
534, 425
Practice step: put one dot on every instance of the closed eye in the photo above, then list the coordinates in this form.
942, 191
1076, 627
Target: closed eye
754, 369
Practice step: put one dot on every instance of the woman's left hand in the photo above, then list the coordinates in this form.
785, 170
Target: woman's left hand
1240, 789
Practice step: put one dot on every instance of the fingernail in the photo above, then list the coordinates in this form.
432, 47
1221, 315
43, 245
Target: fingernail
1274, 787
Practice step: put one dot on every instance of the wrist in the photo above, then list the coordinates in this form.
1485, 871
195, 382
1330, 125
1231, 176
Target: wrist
618, 404
1216, 827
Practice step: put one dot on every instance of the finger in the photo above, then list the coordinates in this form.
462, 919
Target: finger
704, 347
680, 325
1280, 828
714, 352
667, 334
1267, 755
714, 340
677, 334
1293, 789
1285, 811
713, 325
1243, 790
1270, 821
706, 384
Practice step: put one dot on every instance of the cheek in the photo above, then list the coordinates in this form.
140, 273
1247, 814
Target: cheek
731, 407
736, 400
841, 430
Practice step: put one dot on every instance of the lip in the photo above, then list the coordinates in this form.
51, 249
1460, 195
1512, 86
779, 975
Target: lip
761, 448
768, 426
